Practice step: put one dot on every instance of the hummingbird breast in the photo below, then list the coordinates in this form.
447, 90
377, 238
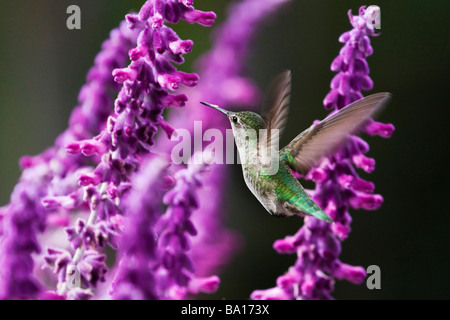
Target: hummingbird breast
281, 193
261, 188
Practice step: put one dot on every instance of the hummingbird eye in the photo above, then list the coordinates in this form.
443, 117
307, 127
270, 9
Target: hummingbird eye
234, 119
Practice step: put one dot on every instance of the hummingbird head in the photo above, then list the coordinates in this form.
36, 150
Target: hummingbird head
245, 125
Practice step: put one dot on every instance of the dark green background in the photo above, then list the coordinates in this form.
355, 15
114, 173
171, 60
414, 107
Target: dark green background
43, 65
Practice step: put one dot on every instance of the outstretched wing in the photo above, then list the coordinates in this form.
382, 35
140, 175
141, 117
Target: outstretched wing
325, 137
276, 109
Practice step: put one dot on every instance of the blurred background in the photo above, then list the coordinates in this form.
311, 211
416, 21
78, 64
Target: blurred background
43, 65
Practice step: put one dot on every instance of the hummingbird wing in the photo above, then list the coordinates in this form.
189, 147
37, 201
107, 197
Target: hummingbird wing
276, 104
276, 109
325, 137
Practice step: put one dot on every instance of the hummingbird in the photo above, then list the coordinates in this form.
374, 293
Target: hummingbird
281, 193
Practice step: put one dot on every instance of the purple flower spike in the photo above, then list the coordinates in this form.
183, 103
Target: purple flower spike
119, 149
47, 189
115, 136
155, 260
135, 279
175, 229
353, 69
338, 186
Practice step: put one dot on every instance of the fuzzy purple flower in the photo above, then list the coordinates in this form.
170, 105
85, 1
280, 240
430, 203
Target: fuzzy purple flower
155, 261
135, 278
129, 135
175, 229
338, 186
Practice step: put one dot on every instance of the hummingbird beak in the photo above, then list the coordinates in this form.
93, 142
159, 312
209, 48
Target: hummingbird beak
216, 107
